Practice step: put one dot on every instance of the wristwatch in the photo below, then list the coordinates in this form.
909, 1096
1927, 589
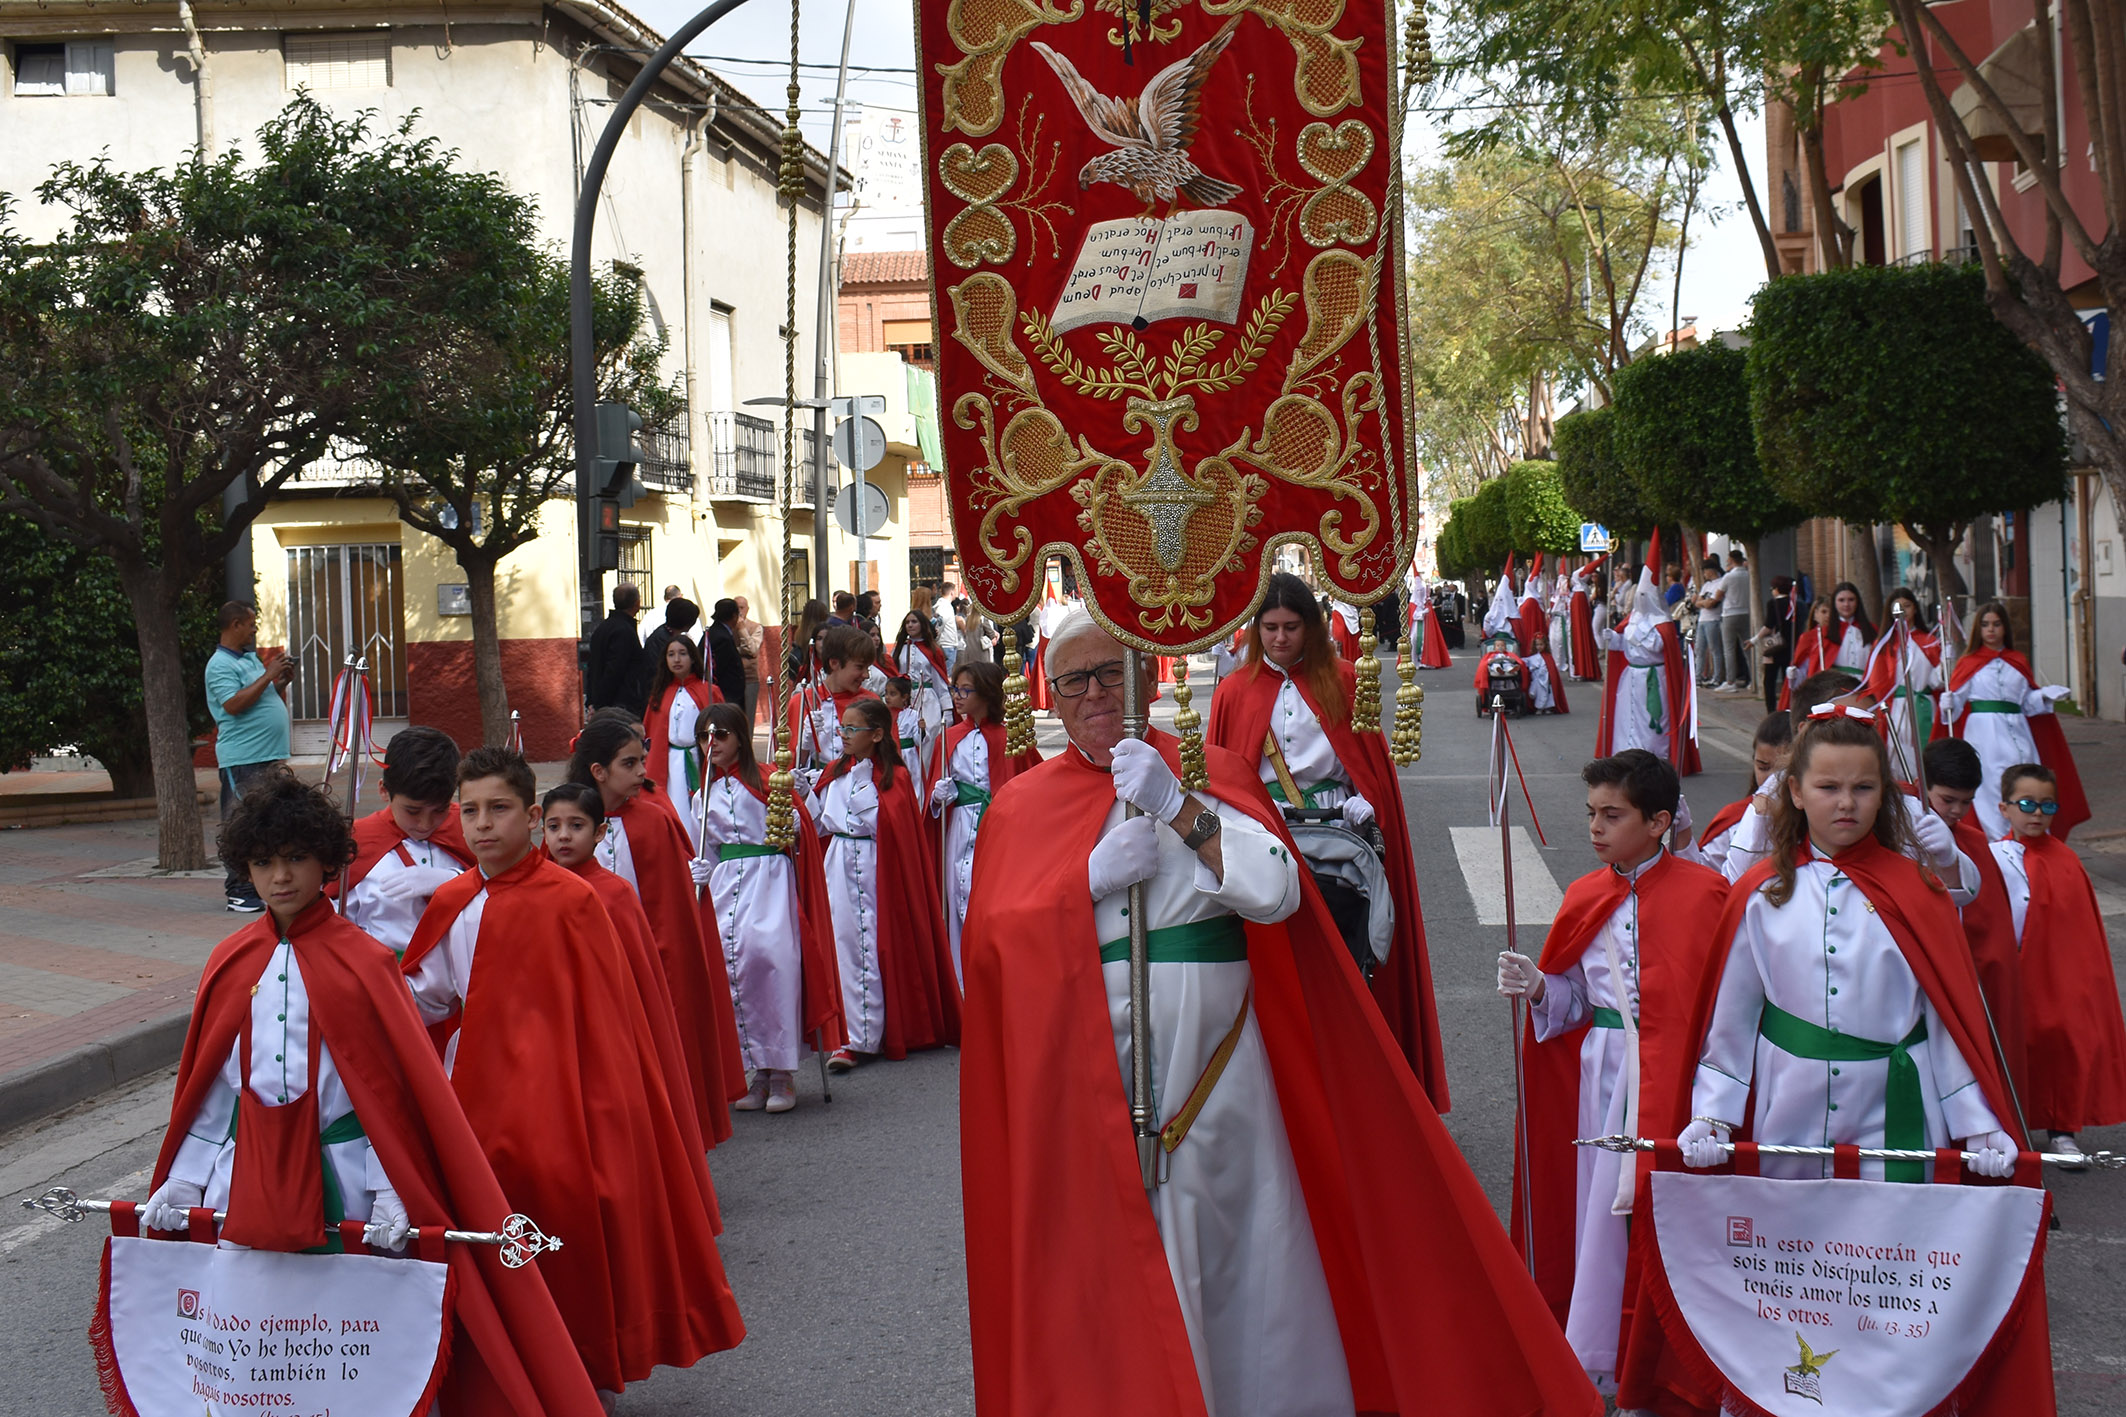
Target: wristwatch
1202, 830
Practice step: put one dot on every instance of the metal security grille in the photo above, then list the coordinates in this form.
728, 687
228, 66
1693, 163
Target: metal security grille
635, 560
342, 600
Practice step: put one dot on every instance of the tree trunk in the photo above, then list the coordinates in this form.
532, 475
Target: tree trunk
1941, 550
178, 843
486, 648
1867, 567
1750, 548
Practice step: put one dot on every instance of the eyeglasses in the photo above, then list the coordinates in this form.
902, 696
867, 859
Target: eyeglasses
849, 728
719, 734
963, 691
1074, 684
2031, 804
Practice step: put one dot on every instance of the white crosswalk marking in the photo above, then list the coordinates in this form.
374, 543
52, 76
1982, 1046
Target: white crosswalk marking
1536, 896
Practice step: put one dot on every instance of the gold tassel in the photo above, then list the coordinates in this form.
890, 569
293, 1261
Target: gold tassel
1188, 727
1018, 708
1405, 743
782, 810
1365, 703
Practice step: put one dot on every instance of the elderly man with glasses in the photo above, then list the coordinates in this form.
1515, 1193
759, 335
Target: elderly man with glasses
1313, 1243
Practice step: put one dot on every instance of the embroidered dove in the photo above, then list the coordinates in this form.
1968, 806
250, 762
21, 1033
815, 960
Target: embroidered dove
1150, 134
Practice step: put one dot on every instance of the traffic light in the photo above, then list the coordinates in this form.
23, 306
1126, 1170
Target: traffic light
612, 480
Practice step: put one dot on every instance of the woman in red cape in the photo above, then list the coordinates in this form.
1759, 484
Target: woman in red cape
1815, 651
1995, 704
1432, 640
510, 1354
646, 846
1291, 678
971, 766
1072, 1305
900, 993
678, 694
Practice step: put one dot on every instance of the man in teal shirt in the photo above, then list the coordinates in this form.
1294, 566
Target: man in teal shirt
251, 724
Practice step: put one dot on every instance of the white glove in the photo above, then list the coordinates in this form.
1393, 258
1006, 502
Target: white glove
166, 1209
1680, 824
1995, 1154
699, 868
1703, 1143
388, 1223
414, 883
1125, 856
942, 794
1518, 975
1357, 811
1143, 780
1937, 843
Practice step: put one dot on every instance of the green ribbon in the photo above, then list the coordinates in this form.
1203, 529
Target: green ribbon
968, 795
1607, 1018
855, 836
907, 743
739, 850
1904, 1111
1654, 702
1993, 706
1922, 713
693, 768
1220, 940
1327, 784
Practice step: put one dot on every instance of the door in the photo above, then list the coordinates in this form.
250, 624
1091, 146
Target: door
343, 600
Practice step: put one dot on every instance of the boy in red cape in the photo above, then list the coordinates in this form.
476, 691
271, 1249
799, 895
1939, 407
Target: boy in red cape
814, 730
411, 845
409, 1161
556, 1063
1288, 656
1953, 774
2075, 1037
1608, 1005
1317, 1242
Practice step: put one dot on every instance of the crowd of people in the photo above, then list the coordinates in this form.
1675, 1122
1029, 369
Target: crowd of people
480, 996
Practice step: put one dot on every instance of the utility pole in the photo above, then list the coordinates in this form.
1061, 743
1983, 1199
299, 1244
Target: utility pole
824, 338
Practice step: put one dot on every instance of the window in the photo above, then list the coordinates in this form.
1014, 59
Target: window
338, 61
1912, 221
346, 600
635, 557
926, 564
78, 68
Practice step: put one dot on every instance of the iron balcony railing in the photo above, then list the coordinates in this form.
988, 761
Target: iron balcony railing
667, 458
744, 451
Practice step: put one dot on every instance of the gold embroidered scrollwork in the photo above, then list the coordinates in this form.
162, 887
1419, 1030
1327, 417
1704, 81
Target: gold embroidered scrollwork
1033, 456
1338, 213
985, 31
982, 307
1338, 293
1325, 77
978, 232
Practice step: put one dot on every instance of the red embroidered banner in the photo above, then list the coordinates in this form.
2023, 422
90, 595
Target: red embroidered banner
1165, 240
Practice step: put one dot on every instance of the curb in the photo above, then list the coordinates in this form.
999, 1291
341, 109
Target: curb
91, 1070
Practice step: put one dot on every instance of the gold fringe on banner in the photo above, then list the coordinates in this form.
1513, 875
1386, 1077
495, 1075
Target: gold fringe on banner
1188, 727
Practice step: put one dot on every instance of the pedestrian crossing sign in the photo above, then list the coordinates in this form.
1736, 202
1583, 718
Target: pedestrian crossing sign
1594, 538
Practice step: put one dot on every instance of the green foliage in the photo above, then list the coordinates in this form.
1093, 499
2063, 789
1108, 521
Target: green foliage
70, 657
1595, 483
1683, 432
1536, 514
1450, 549
1487, 529
1891, 393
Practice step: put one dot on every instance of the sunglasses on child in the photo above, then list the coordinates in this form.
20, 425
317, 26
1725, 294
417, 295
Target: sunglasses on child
2031, 804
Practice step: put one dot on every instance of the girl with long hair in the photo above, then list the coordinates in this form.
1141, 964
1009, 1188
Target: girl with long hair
917, 658
1815, 651
1852, 633
645, 845
972, 765
678, 694
1769, 749
899, 993
770, 912
797, 654
1995, 704
1904, 678
1287, 712
1846, 974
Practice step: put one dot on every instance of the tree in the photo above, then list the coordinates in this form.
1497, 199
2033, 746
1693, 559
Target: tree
481, 436
1486, 528
2029, 286
211, 326
1450, 549
1593, 478
1536, 515
70, 660
1889, 393
1683, 430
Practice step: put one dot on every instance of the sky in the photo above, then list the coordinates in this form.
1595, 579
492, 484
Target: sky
1724, 265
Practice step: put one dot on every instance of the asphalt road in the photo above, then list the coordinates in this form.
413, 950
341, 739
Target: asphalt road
842, 1222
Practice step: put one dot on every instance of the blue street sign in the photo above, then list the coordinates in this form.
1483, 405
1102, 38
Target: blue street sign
1594, 538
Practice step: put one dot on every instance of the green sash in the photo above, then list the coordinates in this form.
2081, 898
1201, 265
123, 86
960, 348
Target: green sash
1219, 940
856, 836
739, 850
1993, 706
907, 743
1327, 784
969, 795
1922, 708
1607, 1018
1904, 1113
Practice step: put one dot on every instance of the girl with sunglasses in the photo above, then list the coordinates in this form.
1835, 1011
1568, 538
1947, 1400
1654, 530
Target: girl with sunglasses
899, 993
973, 765
771, 915
1995, 704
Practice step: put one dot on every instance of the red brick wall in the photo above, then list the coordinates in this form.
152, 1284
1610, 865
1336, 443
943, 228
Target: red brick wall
543, 686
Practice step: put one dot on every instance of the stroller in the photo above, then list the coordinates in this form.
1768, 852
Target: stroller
1349, 867
1502, 678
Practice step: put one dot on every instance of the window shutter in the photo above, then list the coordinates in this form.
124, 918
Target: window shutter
338, 61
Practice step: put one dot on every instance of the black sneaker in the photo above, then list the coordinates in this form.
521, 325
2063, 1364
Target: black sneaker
245, 904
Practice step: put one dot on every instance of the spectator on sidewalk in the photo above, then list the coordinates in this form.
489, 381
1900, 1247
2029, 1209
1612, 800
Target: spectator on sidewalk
844, 609
1676, 588
952, 635
1781, 630
615, 653
245, 695
751, 635
1712, 656
680, 616
1735, 621
725, 670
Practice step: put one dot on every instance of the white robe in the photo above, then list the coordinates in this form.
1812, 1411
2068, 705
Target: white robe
1750, 841
2002, 739
1231, 1216
1631, 722
756, 914
911, 736
1569, 1000
970, 764
1826, 957
932, 699
1308, 754
1922, 676
1852, 651
2016, 877
278, 1074
848, 817
679, 724
388, 921
442, 980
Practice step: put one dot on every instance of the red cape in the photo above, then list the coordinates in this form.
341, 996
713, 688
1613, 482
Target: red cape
2045, 731
377, 835
1989, 927
1676, 687
1036, 681
1924, 924
1531, 625
2076, 1040
1071, 1303
1679, 912
820, 1010
1432, 651
693, 965
1813, 653
1345, 640
914, 951
803, 703
509, 1352
1240, 720
1557, 683
1586, 659
657, 723
1721, 820
1483, 668
558, 1072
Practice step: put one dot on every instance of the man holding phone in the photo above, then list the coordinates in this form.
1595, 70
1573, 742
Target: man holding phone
247, 697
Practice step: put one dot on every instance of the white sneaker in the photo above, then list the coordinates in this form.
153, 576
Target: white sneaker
756, 1096
782, 1091
2064, 1144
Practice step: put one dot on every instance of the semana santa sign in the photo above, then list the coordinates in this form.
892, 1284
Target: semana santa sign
1806, 1297
184, 1329
1164, 237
